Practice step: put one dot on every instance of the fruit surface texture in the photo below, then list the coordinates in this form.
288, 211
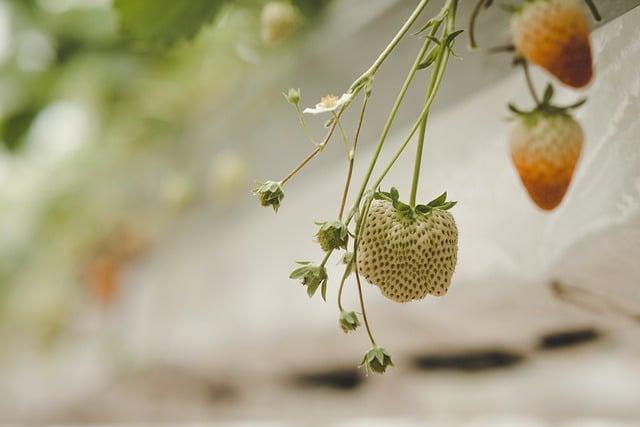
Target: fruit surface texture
545, 149
408, 256
554, 34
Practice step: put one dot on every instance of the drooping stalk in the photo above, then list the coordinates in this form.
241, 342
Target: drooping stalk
357, 84
315, 151
390, 120
418, 160
527, 77
472, 23
434, 85
352, 154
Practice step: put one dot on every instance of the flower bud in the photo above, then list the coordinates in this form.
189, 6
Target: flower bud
312, 276
332, 235
348, 321
376, 360
270, 194
292, 96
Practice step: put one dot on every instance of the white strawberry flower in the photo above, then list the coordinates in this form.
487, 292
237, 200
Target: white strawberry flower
329, 103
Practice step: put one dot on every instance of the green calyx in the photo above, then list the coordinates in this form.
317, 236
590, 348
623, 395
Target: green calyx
312, 276
292, 96
348, 321
332, 235
269, 193
407, 211
545, 107
376, 360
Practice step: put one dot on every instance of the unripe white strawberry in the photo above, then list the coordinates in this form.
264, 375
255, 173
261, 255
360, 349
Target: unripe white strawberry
408, 253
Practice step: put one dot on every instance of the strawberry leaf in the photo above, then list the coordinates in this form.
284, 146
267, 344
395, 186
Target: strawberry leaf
548, 94
438, 200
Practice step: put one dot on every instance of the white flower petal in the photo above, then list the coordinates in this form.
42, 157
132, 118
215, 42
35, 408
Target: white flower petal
322, 108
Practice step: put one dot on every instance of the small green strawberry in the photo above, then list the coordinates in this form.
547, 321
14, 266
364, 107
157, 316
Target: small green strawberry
332, 235
312, 276
348, 321
376, 360
408, 253
269, 193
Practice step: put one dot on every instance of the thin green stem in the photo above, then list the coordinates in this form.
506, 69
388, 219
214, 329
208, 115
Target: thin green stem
390, 120
418, 161
527, 77
326, 258
434, 85
305, 128
315, 152
472, 23
364, 311
357, 84
343, 136
342, 281
347, 183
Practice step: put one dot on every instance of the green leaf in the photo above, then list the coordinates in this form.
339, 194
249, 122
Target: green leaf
548, 94
431, 57
16, 126
395, 195
438, 200
159, 23
447, 206
312, 288
298, 273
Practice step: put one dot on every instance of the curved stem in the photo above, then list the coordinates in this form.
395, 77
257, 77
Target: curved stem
343, 136
342, 281
527, 76
472, 24
394, 42
352, 154
364, 312
305, 128
315, 152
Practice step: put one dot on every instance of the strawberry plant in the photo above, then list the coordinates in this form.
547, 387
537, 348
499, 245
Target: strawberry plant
406, 249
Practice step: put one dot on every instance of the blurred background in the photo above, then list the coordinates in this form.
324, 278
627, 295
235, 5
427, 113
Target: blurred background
140, 282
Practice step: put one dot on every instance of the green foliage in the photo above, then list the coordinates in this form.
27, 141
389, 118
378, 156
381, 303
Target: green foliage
15, 126
159, 23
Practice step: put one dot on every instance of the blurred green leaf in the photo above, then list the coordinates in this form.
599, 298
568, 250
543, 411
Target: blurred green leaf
15, 127
159, 23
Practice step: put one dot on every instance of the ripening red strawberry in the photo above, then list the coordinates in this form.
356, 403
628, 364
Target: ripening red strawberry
545, 147
554, 34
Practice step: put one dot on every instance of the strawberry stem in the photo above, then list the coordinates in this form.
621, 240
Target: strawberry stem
364, 313
352, 155
394, 42
390, 120
529, 80
594, 10
472, 23
316, 151
416, 167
